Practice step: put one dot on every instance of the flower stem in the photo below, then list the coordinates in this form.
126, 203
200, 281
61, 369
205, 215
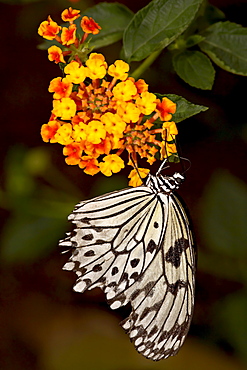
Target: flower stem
147, 62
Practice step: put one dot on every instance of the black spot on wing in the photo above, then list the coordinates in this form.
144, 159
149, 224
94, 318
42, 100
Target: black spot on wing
88, 237
97, 268
151, 246
85, 220
89, 253
156, 225
153, 331
134, 276
114, 271
173, 288
134, 262
100, 241
174, 253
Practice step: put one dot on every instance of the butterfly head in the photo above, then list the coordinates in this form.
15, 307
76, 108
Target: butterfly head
165, 184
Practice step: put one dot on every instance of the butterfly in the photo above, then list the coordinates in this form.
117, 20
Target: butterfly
136, 244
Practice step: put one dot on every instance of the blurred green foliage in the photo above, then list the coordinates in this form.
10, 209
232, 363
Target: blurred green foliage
38, 208
224, 229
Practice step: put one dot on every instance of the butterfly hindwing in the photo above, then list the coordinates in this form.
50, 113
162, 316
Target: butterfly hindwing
136, 245
163, 300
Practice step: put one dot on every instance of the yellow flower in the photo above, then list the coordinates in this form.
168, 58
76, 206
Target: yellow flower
112, 164
75, 73
167, 149
124, 90
64, 134
113, 123
95, 132
136, 176
80, 132
64, 108
96, 66
128, 112
116, 143
146, 102
169, 131
119, 70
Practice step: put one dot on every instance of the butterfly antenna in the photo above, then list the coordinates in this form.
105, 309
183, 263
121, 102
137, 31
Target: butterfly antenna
187, 160
181, 159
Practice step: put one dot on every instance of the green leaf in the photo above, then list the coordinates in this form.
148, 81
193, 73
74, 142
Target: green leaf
156, 26
224, 215
226, 44
212, 14
193, 40
194, 68
185, 109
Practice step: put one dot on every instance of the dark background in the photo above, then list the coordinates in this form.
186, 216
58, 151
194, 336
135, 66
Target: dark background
44, 325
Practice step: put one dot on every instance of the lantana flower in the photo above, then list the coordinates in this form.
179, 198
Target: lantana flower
70, 15
55, 54
49, 29
99, 111
88, 25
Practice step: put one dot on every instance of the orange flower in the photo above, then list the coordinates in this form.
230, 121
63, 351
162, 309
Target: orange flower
165, 108
48, 131
95, 150
68, 35
88, 25
90, 165
55, 54
69, 15
141, 86
62, 88
49, 29
73, 152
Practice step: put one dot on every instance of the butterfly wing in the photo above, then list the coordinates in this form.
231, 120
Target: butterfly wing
163, 299
136, 246
114, 239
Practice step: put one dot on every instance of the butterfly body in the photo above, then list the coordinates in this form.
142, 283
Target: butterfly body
136, 245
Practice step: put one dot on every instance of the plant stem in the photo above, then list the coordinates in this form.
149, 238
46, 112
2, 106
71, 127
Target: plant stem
145, 64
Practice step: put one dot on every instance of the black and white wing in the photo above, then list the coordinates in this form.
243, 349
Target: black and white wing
136, 245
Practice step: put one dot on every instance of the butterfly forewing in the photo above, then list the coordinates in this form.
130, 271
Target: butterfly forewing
136, 245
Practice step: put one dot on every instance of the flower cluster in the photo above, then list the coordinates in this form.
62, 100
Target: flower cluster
99, 111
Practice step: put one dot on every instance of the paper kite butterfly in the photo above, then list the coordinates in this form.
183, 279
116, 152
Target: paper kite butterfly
136, 245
